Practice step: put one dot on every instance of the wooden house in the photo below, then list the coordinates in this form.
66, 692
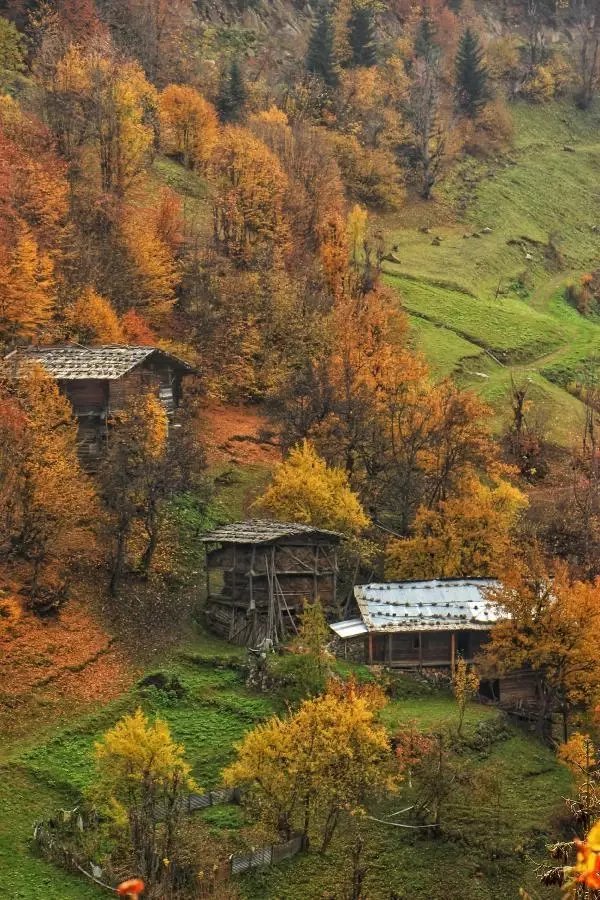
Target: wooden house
98, 381
260, 574
429, 624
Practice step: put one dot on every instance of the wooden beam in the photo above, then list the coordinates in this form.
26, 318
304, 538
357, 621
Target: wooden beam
370, 648
453, 657
389, 648
420, 649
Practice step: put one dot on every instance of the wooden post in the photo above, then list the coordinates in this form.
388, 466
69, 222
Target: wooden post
389, 649
315, 574
453, 658
370, 648
420, 649
251, 578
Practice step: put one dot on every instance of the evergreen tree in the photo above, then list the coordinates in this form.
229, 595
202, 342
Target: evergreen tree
362, 36
233, 93
426, 46
471, 75
321, 57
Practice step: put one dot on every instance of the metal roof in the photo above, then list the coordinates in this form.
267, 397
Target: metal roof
458, 604
263, 531
349, 628
72, 362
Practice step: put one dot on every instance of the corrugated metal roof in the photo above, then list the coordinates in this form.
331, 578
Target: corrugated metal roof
349, 628
263, 531
73, 362
440, 605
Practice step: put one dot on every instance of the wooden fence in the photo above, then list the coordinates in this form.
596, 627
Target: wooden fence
47, 836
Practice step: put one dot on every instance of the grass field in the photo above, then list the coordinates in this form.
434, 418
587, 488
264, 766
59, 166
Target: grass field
214, 712
503, 291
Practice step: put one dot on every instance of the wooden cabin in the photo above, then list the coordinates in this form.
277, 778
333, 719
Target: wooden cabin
99, 380
260, 573
429, 624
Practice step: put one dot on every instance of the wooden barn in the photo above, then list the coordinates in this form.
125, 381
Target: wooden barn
98, 381
260, 574
429, 624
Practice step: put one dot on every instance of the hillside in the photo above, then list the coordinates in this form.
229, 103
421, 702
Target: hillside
48, 771
492, 307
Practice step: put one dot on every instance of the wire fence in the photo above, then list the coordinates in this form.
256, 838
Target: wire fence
51, 837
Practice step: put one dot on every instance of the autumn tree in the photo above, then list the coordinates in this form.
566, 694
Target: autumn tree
551, 618
465, 685
425, 116
143, 469
143, 780
27, 291
104, 105
93, 320
131, 474
53, 503
248, 205
306, 490
150, 239
303, 771
188, 124
470, 534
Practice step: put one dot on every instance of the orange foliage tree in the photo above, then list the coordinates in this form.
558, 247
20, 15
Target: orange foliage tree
93, 320
53, 504
551, 629
189, 124
27, 291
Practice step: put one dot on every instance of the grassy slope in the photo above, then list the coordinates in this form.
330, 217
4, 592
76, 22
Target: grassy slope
215, 712
485, 292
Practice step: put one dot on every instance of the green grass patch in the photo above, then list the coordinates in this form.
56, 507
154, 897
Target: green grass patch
507, 327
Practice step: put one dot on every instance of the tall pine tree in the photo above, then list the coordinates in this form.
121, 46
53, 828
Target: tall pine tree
321, 56
471, 76
362, 35
233, 94
426, 46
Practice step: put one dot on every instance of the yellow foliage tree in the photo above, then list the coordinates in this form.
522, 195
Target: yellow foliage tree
27, 291
469, 534
155, 269
57, 503
106, 107
189, 124
248, 205
305, 489
94, 320
303, 771
465, 684
579, 755
142, 780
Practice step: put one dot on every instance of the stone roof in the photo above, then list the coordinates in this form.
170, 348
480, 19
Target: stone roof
72, 362
457, 604
263, 531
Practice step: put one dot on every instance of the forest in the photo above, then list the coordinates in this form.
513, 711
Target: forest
332, 264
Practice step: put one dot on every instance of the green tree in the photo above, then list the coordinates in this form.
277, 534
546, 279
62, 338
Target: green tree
11, 53
471, 76
233, 94
362, 35
426, 46
321, 56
